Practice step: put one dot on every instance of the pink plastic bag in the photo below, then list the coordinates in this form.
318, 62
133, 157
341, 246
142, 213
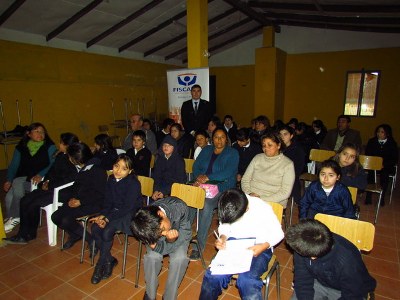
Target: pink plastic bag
211, 189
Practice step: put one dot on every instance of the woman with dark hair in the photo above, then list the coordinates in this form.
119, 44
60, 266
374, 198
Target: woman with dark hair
217, 163
270, 175
383, 145
32, 159
213, 124
319, 131
61, 172
87, 194
353, 173
185, 141
104, 153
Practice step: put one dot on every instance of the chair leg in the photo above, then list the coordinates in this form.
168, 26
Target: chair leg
62, 240
291, 212
83, 240
92, 258
274, 268
391, 190
138, 265
124, 257
119, 239
377, 207
40, 213
201, 255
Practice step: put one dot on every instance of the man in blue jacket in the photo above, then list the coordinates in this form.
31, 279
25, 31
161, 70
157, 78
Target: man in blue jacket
326, 265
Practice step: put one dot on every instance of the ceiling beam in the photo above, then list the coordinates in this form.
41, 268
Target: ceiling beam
10, 10
183, 35
73, 19
327, 8
234, 39
152, 31
124, 22
248, 11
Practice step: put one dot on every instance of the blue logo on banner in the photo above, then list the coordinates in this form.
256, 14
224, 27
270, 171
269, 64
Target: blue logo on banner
187, 79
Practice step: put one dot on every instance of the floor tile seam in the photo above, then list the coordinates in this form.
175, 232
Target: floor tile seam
385, 260
385, 276
64, 282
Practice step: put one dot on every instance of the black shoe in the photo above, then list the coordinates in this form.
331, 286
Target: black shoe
16, 239
68, 244
97, 274
108, 268
93, 252
194, 256
145, 297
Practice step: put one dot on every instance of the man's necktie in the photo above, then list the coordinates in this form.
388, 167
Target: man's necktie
195, 108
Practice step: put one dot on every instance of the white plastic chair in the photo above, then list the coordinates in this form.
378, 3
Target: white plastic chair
49, 209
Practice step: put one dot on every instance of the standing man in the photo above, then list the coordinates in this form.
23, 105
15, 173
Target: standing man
137, 124
195, 113
342, 135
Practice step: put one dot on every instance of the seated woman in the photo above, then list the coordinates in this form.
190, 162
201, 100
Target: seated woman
270, 175
217, 162
352, 173
296, 153
385, 146
139, 154
185, 141
328, 195
32, 159
122, 200
213, 124
87, 194
169, 167
104, 153
61, 172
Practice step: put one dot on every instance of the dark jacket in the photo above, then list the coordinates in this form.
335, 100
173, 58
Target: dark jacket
186, 145
195, 122
141, 161
359, 180
351, 136
167, 171
296, 154
388, 151
89, 187
105, 159
61, 172
122, 200
342, 269
246, 154
338, 203
178, 213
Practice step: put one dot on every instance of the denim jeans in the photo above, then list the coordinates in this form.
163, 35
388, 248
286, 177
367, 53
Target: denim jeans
205, 219
248, 283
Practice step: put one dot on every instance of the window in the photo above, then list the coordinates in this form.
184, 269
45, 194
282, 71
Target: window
361, 93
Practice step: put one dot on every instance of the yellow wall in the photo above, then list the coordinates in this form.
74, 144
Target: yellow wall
312, 93
72, 91
235, 92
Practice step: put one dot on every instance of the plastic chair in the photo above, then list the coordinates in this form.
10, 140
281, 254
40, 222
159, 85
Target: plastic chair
273, 265
373, 163
393, 177
193, 197
152, 161
50, 209
189, 167
353, 193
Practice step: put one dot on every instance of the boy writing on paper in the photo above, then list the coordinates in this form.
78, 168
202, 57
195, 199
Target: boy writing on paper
244, 216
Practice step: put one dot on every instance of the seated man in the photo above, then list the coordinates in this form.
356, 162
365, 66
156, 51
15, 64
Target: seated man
326, 265
165, 229
244, 216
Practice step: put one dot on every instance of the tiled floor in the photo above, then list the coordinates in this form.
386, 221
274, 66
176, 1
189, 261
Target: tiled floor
38, 271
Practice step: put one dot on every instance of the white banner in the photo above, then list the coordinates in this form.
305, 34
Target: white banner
180, 83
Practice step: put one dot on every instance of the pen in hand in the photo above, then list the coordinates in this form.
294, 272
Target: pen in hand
217, 236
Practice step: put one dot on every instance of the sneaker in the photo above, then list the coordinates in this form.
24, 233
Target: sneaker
194, 256
16, 239
10, 224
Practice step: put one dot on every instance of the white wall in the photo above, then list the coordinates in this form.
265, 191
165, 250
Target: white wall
295, 40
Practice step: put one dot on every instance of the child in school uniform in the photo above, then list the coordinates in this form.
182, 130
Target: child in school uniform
139, 154
327, 195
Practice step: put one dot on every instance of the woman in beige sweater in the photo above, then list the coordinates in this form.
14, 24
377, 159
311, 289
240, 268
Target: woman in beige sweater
270, 175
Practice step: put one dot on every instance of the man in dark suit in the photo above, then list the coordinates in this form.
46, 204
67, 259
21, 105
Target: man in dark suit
196, 112
343, 134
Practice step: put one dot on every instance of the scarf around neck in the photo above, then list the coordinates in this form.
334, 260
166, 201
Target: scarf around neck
34, 146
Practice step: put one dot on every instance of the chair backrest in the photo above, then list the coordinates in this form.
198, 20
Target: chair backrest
120, 151
371, 162
146, 184
320, 155
360, 233
152, 161
192, 195
189, 165
353, 193
278, 210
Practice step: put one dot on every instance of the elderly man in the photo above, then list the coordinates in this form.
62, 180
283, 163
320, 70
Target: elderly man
137, 124
343, 134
